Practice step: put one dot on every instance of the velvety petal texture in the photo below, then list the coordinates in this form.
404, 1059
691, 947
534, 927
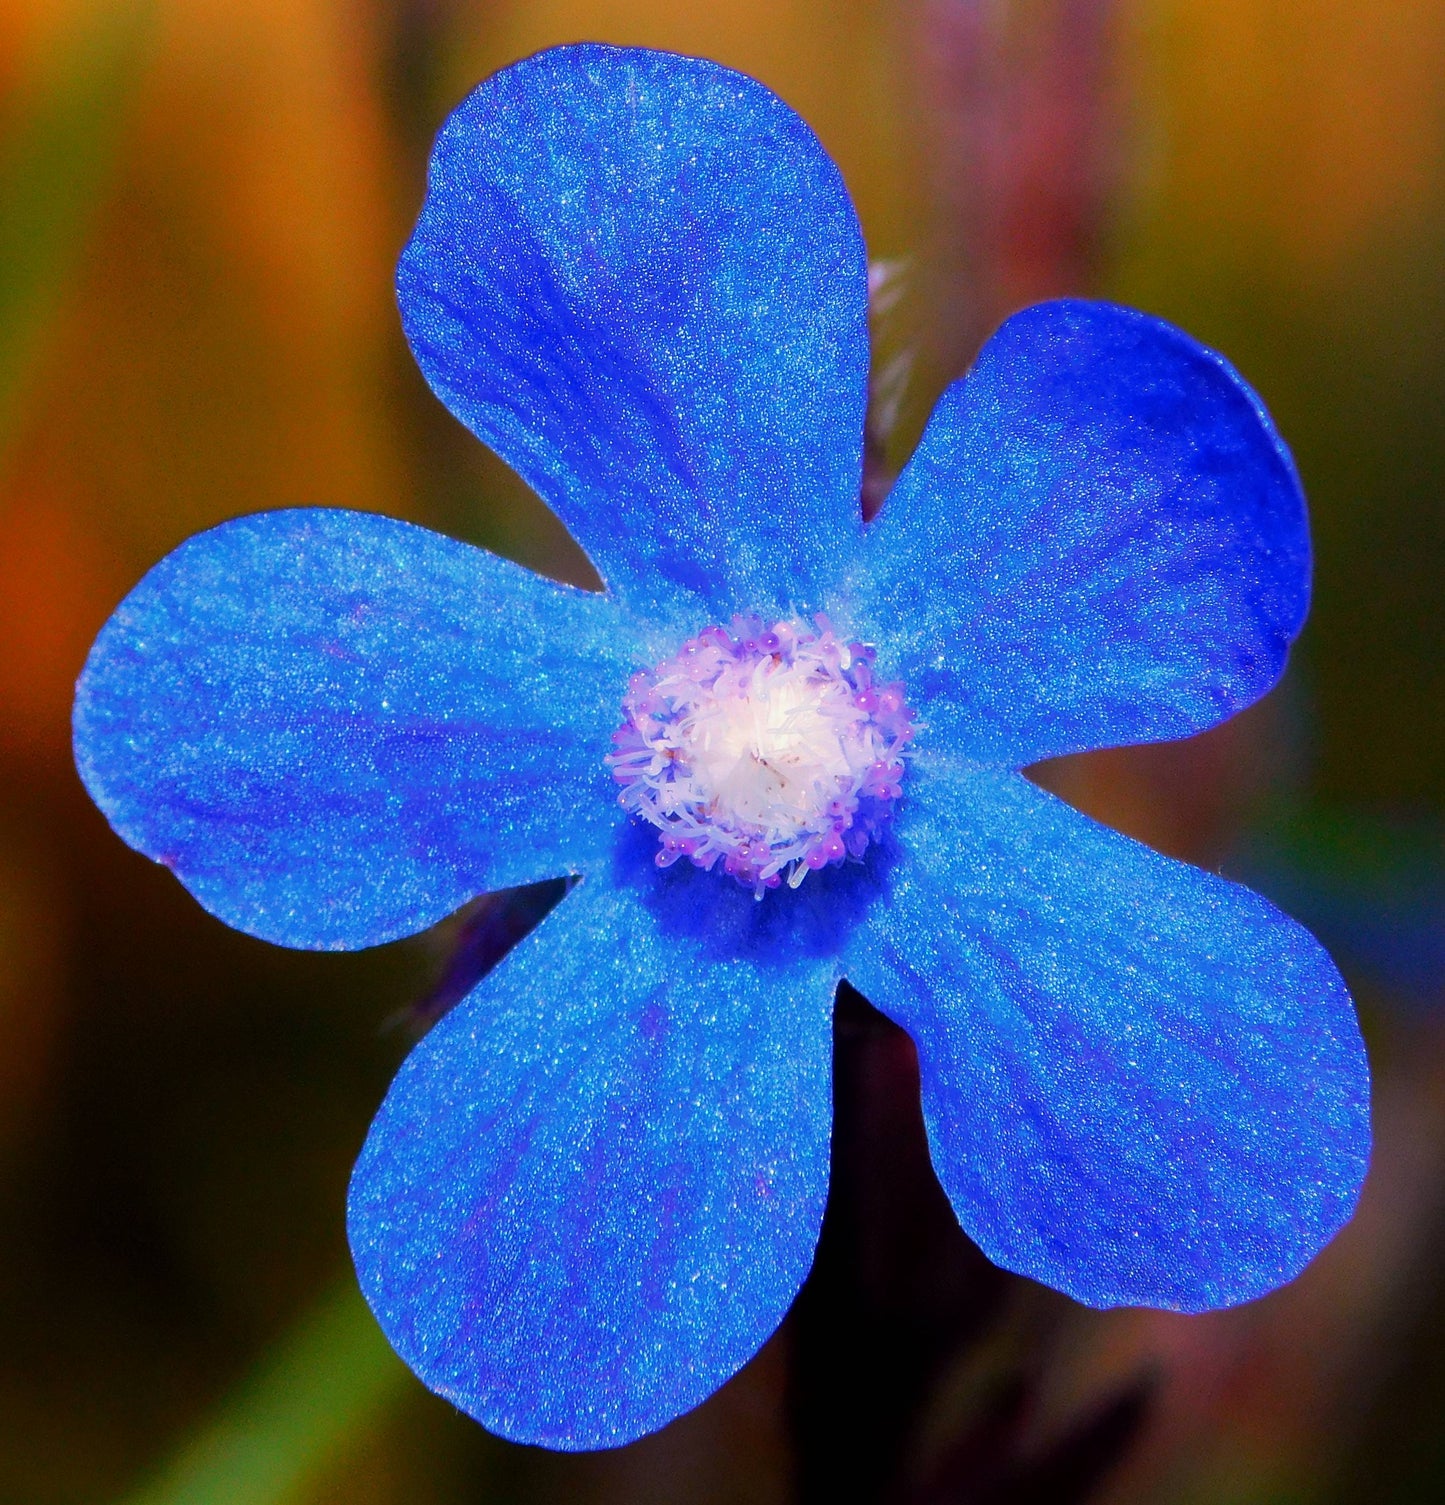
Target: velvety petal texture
1101, 540
336, 728
639, 278
1143, 1085
596, 1186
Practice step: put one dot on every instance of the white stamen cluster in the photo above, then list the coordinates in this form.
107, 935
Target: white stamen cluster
769, 750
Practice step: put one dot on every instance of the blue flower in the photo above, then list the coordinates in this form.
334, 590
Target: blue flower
595, 1186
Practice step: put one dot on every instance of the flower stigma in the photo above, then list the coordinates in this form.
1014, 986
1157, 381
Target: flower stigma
774, 751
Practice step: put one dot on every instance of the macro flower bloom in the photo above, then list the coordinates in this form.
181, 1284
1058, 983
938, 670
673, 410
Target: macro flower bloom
780, 749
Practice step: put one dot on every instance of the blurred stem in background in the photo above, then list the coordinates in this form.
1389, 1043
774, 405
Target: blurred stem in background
325, 1384
1026, 113
65, 135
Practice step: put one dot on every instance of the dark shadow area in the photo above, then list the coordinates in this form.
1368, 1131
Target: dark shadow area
896, 1287
918, 1368
473, 941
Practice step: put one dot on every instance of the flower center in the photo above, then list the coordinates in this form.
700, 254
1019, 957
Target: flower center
774, 751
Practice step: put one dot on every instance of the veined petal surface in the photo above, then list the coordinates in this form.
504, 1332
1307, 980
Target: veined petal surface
1100, 540
639, 278
1143, 1085
596, 1186
335, 728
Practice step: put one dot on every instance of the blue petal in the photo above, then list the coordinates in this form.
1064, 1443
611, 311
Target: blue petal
639, 279
595, 1187
1101, 540
335, 728
1143, 1085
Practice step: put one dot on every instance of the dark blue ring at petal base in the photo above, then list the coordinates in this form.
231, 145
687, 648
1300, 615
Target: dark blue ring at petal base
711, 908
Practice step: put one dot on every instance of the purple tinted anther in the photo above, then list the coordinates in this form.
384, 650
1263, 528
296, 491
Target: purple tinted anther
772, 750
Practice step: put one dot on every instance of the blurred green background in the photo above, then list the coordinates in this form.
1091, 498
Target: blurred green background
201, 202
